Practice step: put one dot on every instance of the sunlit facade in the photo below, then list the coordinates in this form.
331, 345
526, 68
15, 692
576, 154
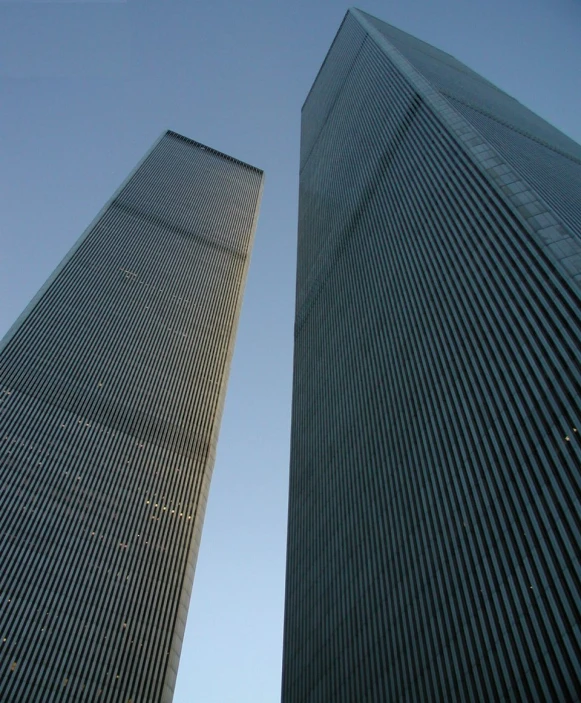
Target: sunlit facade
112, 384
434, 535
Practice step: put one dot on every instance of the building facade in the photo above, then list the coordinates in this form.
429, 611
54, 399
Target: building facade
112, 384
434, 534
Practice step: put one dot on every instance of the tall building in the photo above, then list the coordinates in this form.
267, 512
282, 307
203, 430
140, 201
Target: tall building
434, 535
112, 384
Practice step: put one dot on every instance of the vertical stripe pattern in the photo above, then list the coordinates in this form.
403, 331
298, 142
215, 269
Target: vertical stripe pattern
434, 534
111, 389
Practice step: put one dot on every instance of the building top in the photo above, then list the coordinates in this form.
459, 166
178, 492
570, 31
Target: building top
204, 147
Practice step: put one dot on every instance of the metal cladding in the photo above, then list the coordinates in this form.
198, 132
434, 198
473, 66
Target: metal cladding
434, 535
111, 391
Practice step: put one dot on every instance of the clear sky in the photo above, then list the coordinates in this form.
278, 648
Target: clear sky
86, 87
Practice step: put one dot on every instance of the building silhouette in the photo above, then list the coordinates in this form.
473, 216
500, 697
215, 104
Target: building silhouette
112, 384
434, 531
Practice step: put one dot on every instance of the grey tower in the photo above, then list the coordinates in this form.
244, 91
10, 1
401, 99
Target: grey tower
434, 517
111, 391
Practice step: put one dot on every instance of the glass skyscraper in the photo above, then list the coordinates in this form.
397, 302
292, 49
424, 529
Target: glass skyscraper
434, 534
112, 384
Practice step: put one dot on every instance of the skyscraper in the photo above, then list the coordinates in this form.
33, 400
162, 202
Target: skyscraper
434, 515
112, 384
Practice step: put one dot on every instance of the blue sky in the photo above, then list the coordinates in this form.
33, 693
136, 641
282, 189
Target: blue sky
86, 87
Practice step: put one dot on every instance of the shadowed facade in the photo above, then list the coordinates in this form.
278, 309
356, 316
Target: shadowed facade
434, 525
